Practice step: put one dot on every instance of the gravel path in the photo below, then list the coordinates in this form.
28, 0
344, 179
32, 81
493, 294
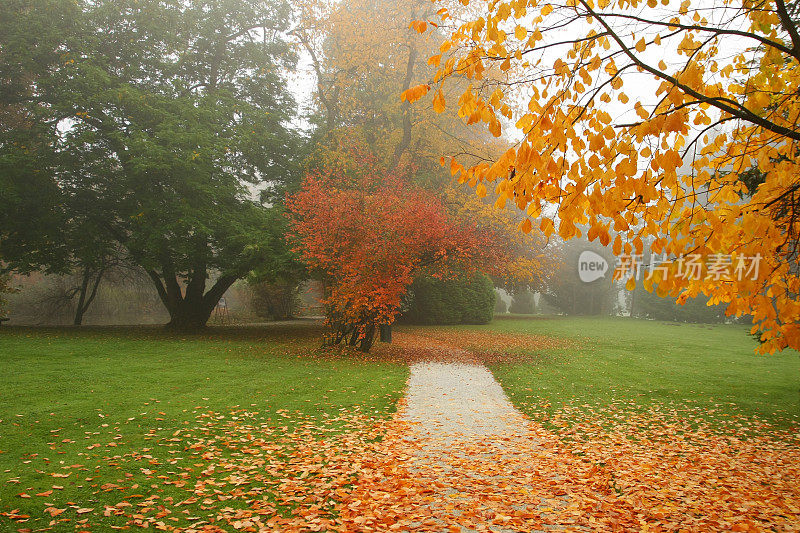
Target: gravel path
455, 400
471, 444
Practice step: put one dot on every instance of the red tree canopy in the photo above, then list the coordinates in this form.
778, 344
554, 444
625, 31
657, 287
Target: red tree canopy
369, 232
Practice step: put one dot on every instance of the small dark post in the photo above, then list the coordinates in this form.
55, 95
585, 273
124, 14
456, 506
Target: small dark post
386, 333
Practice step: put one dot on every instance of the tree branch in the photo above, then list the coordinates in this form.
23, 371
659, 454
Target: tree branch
739, 111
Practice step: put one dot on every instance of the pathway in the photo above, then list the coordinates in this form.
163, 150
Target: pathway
475, 451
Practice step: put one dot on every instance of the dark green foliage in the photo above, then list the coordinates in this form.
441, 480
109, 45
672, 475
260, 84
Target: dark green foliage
522, 303
650, 305
468, 300
500, 305
150, 126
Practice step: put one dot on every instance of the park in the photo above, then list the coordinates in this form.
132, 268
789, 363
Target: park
359, 265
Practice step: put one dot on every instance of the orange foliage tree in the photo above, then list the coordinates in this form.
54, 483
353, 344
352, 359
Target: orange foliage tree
660, 124
368, 232
363, 54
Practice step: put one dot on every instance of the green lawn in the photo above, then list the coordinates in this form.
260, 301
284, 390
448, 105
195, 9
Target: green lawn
80, 397
712, 367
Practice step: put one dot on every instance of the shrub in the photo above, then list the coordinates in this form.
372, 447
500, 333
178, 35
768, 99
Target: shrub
465, 300
275, 301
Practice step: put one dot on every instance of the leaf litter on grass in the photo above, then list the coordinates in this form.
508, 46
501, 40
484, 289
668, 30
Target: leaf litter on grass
587, 469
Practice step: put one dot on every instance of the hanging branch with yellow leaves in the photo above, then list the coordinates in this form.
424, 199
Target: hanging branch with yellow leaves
667, 125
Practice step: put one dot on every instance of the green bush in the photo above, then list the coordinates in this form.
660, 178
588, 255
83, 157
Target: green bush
466, 300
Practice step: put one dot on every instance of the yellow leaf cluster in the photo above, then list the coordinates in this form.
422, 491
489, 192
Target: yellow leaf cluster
704, 161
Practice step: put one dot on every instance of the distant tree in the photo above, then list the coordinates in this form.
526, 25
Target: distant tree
569, 294
154, 123
696, 310
275, 301
500, 305
522, 303
466, 299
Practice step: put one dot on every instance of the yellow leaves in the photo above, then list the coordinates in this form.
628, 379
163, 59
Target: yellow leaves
496, 97
438, 101
418, 25
535, 37
503, 12
494, 127
480, 190
596, 143
435, 60
455, 167
631, 284
547, 227
526, 226
631, 177
759, 100
525, 122
415, 93
676, 121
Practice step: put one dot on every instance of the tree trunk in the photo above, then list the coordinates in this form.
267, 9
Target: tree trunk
386, 333
86, 296
189, 310
369, 339
408, 125
189, 316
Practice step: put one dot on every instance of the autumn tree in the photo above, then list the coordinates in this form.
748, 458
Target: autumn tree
364, 53
668, 123
367, 231
149, 126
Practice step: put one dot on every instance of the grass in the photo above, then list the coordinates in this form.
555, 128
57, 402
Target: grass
711, 367
82, 410
77, 397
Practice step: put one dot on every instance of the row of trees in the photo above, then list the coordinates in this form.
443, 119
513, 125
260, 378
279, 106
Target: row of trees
159, 136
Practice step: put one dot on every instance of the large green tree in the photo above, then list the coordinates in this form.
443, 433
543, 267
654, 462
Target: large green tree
153, 125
